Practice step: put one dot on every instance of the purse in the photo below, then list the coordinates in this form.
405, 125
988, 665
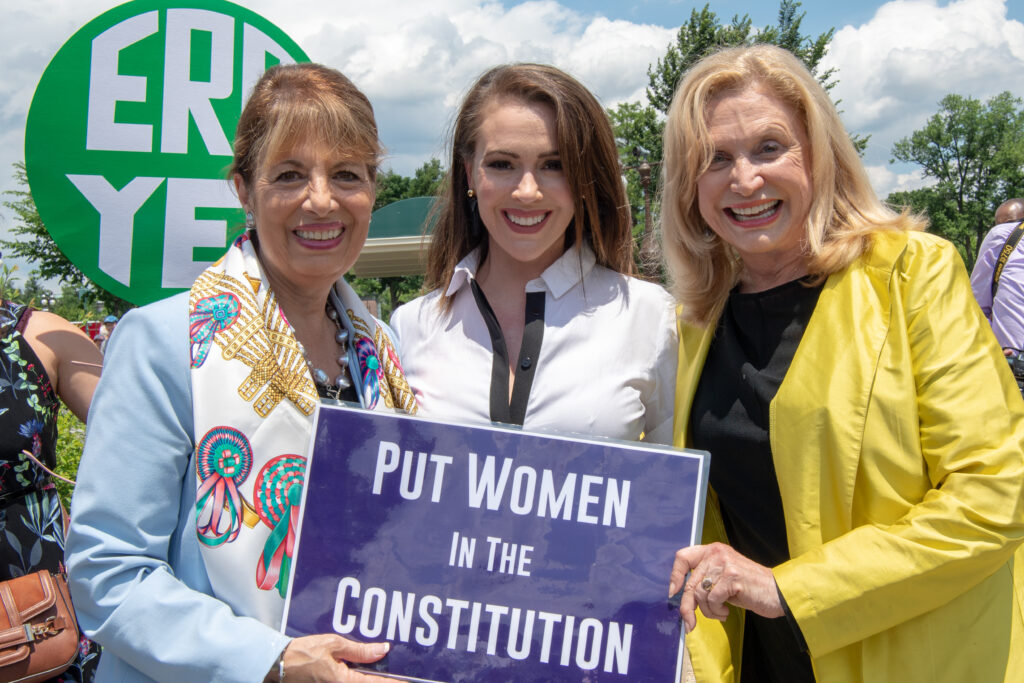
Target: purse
38, 632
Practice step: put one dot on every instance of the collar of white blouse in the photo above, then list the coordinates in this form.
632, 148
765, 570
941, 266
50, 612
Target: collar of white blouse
561, 276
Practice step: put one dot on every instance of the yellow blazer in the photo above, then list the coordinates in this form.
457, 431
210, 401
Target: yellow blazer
897, 438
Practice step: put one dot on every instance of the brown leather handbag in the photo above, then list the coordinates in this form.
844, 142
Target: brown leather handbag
38, 631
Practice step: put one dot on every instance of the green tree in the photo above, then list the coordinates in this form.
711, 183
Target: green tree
638, 135
7, 289
704, 33
973, 153
391, 187
391, 292
33, 292
71, 306
639, 127
426, 180
33, 243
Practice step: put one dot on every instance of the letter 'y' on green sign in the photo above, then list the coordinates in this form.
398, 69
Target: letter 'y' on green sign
129, 138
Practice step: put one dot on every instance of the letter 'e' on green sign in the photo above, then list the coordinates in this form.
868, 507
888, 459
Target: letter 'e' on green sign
129, 135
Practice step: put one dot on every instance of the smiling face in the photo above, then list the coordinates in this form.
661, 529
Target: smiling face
522, 193
757, 192
312, 210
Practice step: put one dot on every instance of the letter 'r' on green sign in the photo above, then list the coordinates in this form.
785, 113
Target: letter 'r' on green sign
129, 137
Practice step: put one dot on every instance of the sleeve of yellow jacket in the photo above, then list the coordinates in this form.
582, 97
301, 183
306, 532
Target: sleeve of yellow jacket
921, 484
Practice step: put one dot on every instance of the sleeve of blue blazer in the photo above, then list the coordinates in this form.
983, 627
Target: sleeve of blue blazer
138, 583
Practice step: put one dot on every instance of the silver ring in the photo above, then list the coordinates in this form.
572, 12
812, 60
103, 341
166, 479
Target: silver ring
707, 584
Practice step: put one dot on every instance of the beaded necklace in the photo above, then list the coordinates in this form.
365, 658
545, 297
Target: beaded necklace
342, 382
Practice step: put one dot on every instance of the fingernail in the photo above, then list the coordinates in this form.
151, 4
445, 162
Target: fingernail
671, 589
382, 649
686, 627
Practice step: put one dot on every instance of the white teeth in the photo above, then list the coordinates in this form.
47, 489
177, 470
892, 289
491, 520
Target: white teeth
526, 221
319, 235
755, 211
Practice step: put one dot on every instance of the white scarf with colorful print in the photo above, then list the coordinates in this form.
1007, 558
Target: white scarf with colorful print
253, 402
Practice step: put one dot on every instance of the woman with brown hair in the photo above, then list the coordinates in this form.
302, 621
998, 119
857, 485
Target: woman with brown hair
865, 432
533, 318
183, 519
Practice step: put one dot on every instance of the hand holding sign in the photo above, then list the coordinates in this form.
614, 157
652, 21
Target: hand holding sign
485, 553
720, 575
322, 658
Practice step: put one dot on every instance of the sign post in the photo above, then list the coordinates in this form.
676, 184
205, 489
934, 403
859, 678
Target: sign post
488, 553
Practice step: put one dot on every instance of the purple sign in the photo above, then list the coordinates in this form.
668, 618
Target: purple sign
490, 554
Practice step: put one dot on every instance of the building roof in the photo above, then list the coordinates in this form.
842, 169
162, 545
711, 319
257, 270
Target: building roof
397, 244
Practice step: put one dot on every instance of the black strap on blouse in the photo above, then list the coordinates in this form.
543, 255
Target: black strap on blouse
502, 408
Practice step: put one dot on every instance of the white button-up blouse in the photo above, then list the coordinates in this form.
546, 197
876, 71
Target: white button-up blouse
606, 365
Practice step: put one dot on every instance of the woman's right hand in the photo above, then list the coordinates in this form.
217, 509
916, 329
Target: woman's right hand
322, 657
719, 575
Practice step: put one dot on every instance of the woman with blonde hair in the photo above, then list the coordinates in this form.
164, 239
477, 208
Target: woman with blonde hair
864, 514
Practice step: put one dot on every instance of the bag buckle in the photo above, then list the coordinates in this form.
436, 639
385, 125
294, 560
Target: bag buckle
47, 628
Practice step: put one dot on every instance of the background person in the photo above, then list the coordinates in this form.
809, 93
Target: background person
532, 318
1010, 210
184, 513
865, 430
44, 359
1004, 310
106, 329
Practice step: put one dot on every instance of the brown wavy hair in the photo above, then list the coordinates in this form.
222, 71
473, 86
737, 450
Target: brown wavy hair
589, 157
294, 102
844, 211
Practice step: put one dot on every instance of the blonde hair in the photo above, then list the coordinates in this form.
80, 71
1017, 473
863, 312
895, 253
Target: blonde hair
586, 146
844, 209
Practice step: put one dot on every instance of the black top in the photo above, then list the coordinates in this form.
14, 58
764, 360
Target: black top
753, 347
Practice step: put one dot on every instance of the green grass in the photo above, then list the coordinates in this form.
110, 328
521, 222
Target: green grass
70, 439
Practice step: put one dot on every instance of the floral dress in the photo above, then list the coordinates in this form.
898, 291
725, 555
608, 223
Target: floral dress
31, 520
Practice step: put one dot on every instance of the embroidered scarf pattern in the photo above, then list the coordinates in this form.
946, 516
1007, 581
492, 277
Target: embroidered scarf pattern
253, 404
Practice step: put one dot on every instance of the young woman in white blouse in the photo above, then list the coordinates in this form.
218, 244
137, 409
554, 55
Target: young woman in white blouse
532, 317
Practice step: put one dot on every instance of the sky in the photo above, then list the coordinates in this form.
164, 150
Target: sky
895, 60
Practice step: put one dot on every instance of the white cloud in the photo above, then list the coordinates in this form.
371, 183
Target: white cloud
415, 60
884, 176
894, 69
612, 57
416, 69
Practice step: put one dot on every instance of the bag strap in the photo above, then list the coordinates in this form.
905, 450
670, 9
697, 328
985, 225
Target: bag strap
46, 469
1004, 255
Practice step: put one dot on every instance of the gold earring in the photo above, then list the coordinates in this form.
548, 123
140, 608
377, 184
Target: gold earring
470, 193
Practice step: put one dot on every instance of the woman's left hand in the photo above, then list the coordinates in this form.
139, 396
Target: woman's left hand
731, 578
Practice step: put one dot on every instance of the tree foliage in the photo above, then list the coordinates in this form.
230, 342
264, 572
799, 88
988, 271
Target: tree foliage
638, 134
974, 154
391, 292
8, 290
639, 128
704, 33
33, 243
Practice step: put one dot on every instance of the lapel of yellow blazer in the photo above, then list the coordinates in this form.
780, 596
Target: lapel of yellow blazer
818, 415
694, 343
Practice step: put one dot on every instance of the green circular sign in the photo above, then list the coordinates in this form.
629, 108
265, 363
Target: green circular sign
129, 136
